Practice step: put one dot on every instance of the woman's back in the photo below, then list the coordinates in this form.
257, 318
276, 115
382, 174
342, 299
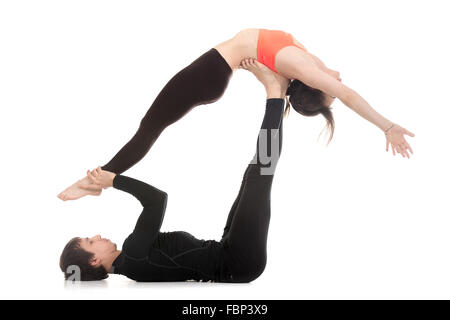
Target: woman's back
247, 42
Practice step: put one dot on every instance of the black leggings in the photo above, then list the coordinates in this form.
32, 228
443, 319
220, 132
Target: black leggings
202, 82
245, 234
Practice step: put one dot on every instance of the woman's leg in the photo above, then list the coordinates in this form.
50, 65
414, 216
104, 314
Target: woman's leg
245, 234
202, 82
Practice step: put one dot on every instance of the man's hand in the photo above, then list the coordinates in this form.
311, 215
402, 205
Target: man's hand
101, 178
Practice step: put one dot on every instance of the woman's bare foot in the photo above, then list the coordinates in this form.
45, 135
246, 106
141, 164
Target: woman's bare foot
275, 84
80, 189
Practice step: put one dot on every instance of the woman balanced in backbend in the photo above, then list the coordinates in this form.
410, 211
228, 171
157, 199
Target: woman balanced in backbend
150, 255
311, 92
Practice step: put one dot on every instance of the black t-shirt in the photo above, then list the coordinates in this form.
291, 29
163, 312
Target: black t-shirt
150, 255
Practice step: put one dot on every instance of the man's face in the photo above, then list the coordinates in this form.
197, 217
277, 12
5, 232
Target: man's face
101, 248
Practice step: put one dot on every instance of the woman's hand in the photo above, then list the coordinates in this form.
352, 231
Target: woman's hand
101, 177
394, 137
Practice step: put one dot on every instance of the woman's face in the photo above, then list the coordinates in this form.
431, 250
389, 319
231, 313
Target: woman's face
335, 74
329, 100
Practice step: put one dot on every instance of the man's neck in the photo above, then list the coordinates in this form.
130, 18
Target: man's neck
114, 256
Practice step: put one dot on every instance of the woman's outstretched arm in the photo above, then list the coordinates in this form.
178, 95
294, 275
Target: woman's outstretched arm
316, 78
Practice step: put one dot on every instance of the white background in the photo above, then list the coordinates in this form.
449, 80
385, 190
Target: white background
349, 221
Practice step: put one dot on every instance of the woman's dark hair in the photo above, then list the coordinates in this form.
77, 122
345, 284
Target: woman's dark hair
309, 102
75, 259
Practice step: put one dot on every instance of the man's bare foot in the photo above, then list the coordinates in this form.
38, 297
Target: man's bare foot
272, 81
80, 189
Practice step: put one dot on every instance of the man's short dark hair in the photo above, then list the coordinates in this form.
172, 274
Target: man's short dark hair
74, 262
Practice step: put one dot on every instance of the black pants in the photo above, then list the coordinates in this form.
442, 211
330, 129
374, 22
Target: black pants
245, 234
202, 82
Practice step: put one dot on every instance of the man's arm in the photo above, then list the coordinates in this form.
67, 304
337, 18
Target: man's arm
154, 201
145, 193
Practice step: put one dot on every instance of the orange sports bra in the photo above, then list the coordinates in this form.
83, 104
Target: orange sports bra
270, 42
